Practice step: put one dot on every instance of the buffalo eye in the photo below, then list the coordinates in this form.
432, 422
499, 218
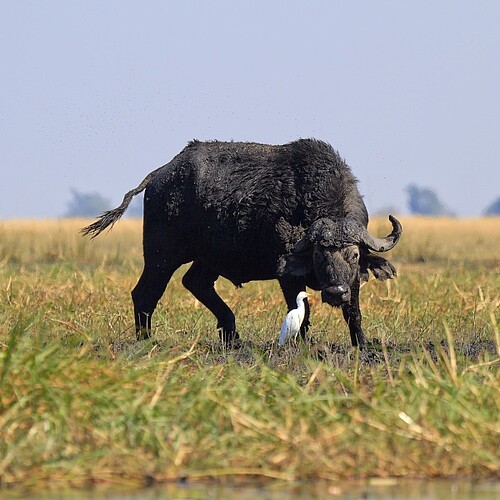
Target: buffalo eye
353, 255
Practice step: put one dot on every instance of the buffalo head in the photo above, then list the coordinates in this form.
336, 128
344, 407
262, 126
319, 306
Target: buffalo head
333, 256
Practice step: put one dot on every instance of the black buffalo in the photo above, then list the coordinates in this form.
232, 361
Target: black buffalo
250, 211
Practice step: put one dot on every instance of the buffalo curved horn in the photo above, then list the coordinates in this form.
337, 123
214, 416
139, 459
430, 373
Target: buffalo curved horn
383, 244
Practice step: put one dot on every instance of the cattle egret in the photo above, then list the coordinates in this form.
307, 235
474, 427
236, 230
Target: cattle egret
293, 321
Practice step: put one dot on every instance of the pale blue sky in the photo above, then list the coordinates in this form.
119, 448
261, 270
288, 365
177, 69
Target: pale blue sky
95, 94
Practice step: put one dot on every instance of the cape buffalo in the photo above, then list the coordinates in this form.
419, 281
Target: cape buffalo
250, 211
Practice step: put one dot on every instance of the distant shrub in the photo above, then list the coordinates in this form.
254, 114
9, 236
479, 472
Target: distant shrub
86, 205
425, 201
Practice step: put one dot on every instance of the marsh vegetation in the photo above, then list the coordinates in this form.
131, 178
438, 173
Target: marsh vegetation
82, 402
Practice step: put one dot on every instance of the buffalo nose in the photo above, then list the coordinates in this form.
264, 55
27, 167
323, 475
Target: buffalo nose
336, 295
338, 290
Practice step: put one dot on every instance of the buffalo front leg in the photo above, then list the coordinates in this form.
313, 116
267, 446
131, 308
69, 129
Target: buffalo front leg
291, 289
200, 282
352, 316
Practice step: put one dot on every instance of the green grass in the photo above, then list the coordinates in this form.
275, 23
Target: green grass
82, 403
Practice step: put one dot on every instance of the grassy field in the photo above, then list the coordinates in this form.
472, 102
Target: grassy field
82, 403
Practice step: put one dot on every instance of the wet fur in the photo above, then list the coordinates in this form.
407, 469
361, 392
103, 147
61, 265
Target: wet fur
237, 210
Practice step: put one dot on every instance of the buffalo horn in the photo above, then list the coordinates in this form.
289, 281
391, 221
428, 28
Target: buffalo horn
383, 244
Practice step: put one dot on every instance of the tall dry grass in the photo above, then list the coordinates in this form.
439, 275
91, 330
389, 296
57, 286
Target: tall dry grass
82, 402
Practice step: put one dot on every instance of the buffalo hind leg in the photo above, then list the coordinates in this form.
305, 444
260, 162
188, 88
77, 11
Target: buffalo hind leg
291, 289
147, 293
200, 282
352, 316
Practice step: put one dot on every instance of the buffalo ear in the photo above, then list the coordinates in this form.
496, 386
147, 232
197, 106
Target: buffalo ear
381, 268
303, 245
296, 265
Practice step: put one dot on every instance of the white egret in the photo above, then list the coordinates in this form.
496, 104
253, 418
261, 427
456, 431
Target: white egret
293, 321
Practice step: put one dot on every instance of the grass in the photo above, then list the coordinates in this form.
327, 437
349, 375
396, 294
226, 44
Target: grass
82, 403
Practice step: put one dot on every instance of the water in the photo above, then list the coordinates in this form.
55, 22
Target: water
374, 489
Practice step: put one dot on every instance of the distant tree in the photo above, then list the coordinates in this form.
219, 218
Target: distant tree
425, 201
494, 208
86, 204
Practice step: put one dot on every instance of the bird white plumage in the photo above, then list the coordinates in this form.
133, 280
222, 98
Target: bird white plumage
293, 320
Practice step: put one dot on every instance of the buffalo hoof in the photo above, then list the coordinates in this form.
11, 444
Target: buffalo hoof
231, 340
